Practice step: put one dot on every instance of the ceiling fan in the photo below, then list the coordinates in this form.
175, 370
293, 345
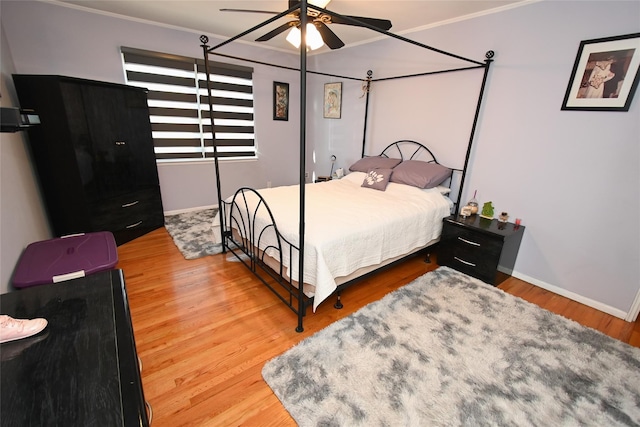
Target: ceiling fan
318, 33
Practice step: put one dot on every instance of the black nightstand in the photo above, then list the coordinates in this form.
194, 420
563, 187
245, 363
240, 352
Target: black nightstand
483, 248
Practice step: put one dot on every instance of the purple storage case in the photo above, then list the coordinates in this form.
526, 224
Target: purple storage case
65, 258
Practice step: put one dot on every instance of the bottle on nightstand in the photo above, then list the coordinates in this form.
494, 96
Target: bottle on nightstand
473, 204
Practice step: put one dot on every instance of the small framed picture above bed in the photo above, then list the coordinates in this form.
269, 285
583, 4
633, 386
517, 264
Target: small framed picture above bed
280, 101
332, 100
605, 74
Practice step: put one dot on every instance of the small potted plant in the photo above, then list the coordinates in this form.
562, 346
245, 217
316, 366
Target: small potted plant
487, 211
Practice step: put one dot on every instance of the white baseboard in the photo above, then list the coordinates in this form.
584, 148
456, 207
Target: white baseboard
199, 208
573, 296
635, 309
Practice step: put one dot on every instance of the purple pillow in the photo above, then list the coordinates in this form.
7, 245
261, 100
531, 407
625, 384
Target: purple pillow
377, 179
420, 174
366, 164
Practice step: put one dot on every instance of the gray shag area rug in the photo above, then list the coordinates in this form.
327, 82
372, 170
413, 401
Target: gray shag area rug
449, 350
192, 232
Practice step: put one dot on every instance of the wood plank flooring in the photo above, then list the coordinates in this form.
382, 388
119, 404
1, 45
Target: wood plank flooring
204, 329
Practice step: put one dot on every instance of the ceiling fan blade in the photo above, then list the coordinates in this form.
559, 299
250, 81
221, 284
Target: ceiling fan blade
383, 24
271, 34
328, 36
310, 4
249, 10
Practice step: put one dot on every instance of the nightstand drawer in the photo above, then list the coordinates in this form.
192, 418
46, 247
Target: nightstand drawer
474, 246
470, 253
479, 247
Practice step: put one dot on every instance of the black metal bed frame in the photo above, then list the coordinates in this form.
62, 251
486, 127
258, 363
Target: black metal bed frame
244, 239
297, 301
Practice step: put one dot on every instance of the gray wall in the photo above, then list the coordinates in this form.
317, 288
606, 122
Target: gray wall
573, 177
73, 42
22, 218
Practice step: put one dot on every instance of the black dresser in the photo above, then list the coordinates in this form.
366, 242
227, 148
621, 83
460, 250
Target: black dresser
94, 156
482, 248
82, 370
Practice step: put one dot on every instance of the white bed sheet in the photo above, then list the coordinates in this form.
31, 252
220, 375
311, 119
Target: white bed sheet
348, 227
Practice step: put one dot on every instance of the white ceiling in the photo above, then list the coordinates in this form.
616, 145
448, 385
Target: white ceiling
206, 17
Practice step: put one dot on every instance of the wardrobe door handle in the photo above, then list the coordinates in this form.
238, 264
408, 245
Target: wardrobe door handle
128, 205
464, 262
469, 242
149, 411
121, 143
134, 225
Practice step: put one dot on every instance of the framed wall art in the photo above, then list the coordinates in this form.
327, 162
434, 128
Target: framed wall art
605, 74
280, 101
332, 100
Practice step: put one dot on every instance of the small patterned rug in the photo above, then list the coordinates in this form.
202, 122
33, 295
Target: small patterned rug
192, 232
449, 350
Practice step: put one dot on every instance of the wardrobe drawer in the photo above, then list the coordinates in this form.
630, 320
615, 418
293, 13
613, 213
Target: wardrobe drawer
140, 227
128, 215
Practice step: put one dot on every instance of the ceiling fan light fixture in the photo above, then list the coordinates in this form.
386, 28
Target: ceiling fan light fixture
314, 39
294, 37
319, 3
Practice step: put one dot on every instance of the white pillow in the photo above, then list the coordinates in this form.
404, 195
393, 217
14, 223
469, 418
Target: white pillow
439, 188
355, 177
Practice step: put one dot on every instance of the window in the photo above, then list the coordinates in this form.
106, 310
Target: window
179, 105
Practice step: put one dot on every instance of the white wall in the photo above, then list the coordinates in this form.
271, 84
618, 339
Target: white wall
572, 176
44, 38
22, 218
74, 42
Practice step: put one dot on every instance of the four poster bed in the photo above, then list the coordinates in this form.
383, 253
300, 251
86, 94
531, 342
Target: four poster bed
389, 207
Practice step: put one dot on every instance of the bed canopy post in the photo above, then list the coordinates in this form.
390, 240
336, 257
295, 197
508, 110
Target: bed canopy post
489, 55
303, 126
205, 48
246, 245
367, 89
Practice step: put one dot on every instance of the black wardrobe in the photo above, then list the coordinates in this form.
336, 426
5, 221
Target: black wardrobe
93, 153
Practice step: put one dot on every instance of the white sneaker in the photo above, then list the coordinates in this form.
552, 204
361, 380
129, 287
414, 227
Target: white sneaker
14, 329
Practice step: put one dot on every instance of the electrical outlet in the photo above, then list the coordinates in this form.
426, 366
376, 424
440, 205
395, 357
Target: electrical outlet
306, 174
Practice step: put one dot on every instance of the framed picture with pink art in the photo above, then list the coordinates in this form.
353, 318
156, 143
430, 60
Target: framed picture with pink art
605, 74
332, 100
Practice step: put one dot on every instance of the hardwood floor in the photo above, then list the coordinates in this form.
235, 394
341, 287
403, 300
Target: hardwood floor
204, 328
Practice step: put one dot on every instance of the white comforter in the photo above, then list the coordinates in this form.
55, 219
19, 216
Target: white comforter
349, 227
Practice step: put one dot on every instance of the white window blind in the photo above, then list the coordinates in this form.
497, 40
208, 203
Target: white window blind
179, 105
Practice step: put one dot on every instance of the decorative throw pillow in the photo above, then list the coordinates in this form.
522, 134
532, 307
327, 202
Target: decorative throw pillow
377, 179
420, 174
366, 164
